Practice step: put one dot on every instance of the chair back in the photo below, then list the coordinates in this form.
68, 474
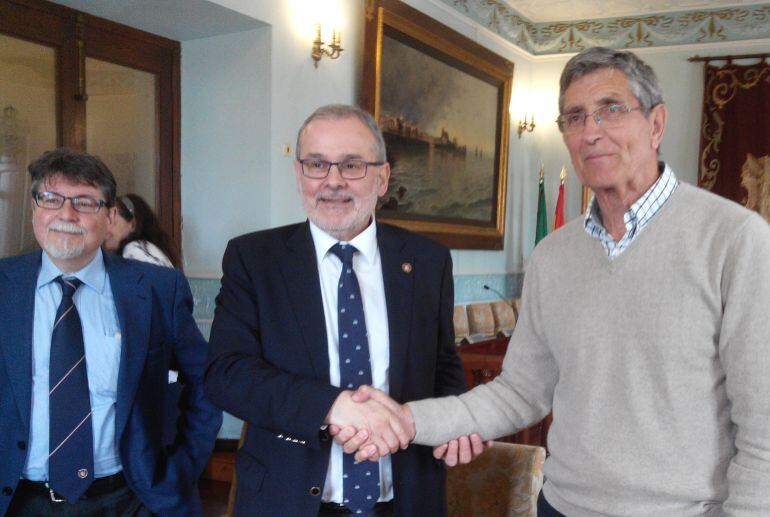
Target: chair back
481, 322
504, 481
460, 320
505, 317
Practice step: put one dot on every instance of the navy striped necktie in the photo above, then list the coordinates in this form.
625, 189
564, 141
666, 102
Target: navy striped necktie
71, 457
361, 482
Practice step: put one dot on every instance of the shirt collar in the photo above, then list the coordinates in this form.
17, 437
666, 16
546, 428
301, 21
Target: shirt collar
647, 205
93, 274
365, 242
643, 209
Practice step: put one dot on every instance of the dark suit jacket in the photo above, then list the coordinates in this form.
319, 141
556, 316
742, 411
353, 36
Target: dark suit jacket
154, 311
269, 364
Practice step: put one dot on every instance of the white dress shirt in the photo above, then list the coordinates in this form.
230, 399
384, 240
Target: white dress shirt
368, 269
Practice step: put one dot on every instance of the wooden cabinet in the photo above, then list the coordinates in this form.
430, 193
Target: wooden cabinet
482, 362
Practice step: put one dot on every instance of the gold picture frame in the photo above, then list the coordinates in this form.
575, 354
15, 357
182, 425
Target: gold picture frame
442, 101
585, 199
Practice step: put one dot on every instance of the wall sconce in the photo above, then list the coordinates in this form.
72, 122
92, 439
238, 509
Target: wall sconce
526, 126
332, 51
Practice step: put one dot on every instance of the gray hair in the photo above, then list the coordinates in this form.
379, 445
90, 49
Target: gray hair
644, 83
76, 167
343, 111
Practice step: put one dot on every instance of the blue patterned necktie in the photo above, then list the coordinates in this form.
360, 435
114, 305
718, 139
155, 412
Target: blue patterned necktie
361, 482
71, 457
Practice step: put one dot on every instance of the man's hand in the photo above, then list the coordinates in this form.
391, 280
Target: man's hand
461, 450
351, 439
358, 442
368, 420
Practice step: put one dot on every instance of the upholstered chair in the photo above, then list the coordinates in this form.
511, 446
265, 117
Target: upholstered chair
505, 317
460, 319
481, 322
503, 482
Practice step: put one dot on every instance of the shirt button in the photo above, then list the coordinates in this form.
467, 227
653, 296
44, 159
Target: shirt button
7, 490
22, 446
315, 491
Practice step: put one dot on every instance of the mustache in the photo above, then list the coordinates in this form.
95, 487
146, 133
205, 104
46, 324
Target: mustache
334, 196
66, 227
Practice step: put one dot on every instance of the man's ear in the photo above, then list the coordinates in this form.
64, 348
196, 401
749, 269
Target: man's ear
384, 175
112, 213
298, 174
658, 124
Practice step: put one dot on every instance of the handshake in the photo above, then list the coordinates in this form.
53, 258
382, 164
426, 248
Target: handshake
370, 424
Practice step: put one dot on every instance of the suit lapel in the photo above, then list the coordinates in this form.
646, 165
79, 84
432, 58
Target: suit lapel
300, 273
132, 297
398, 276
17, 305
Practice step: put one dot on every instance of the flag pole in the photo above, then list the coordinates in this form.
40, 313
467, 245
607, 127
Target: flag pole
541, 229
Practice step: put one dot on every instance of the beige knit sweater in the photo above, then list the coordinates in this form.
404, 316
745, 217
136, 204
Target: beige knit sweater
656, 365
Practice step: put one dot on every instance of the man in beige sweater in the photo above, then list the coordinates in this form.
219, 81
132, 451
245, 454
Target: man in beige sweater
645, 328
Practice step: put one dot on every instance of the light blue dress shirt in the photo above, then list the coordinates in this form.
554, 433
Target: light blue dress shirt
102, 340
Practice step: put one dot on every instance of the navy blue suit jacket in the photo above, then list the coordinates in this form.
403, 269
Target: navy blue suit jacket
154, 307
269, 364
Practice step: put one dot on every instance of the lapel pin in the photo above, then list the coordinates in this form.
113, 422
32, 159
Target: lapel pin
406, 267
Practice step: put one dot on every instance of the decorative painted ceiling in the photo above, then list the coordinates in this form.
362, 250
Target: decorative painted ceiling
732, 23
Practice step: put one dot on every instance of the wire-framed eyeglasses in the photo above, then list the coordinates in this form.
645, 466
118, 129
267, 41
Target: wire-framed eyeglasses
54, 201
352, 169
610, 115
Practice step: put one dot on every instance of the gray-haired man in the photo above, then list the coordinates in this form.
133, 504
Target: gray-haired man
308, 312
644, 327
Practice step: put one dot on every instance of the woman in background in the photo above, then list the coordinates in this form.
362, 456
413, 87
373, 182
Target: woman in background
136, 234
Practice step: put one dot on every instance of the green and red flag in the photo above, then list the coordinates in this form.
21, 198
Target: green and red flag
558, 218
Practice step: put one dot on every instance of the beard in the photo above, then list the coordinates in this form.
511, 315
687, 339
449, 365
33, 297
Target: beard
343, 226
67, 243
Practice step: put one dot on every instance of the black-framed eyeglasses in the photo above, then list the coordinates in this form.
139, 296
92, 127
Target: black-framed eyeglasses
352, 169
610, 115
54, 201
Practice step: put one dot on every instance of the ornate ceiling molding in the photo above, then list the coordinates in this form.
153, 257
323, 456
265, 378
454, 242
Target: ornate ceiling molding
654, 30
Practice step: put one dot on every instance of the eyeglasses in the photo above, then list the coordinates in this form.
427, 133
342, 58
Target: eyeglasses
54, 201
610, 115
349, 169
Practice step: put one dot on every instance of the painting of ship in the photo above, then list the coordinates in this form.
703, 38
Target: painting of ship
439, 125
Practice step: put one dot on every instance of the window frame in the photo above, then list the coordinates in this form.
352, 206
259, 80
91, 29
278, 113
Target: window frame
75, 36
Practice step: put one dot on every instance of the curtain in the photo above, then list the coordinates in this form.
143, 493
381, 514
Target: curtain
735, 134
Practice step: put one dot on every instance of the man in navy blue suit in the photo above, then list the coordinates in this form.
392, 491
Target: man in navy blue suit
308, 312
86, 341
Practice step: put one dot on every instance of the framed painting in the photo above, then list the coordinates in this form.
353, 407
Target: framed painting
585, 199
442, 103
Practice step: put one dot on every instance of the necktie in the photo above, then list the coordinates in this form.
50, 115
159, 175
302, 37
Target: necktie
361, 482
71, 457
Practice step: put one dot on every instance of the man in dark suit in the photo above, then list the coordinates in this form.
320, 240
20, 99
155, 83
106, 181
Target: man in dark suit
308, 312
86, 341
